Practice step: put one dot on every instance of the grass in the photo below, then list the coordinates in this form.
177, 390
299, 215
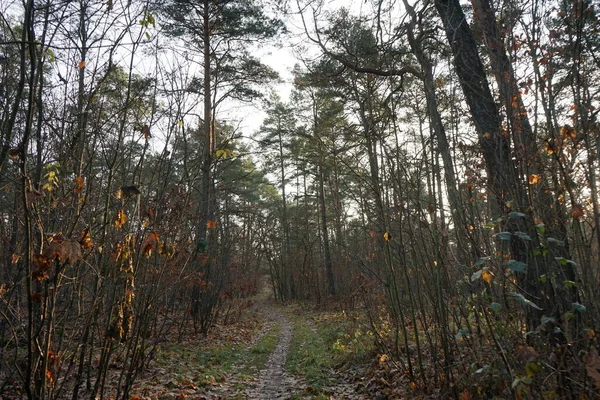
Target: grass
257, 357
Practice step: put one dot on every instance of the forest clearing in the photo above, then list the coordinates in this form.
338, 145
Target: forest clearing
379, 199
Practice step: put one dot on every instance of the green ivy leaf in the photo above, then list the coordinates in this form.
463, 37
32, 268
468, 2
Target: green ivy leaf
547, 320
516, 266
556, 241
476, 275
495, 307
482, 261
519, 297
523, 235
570, 284
579, 307
515, 214
541, 228
503, 235
561, 260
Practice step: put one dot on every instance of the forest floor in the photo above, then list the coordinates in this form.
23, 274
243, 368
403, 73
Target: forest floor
273, 352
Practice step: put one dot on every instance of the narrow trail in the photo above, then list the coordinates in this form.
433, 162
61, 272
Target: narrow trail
274, 382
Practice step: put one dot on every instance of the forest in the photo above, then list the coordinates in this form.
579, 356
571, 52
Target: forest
411, 211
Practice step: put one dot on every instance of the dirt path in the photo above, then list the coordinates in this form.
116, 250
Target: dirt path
274, 382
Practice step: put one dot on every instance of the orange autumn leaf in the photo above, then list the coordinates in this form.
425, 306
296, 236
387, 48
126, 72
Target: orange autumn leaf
81, 64
487, 276
210, 224
49, 377
568, 131
535, 179
120, 219
86, 239
465, 395
78, 184
577, 213
15, 258
146, 131
149, 244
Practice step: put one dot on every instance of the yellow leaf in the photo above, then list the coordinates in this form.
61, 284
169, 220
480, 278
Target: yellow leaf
387, 236
121, 219
487, 276
534, 179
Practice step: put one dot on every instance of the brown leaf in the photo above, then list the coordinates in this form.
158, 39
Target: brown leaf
149, 244
71, 251
568, 131
54, 250
41, 260
78, 184
14, 153
146, 131
577, 213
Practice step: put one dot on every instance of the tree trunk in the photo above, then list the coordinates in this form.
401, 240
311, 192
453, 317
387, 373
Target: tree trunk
507, 190
325, 233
